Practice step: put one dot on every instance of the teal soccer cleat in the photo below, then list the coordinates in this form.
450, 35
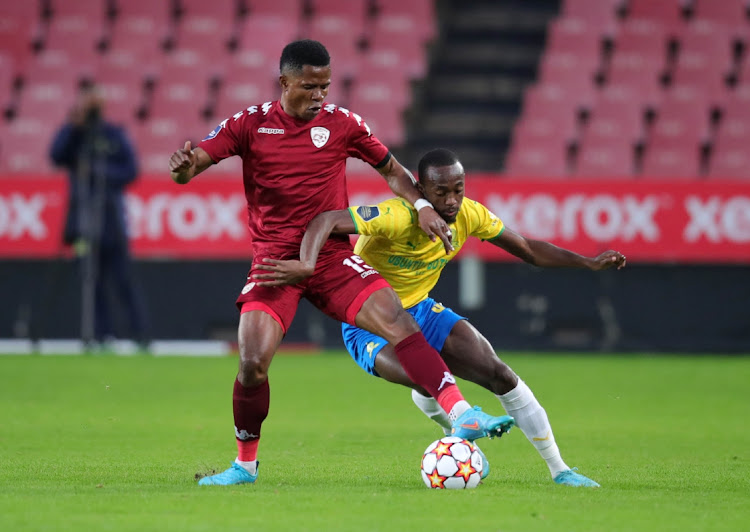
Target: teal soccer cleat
474, 424
571, 478
234, 475
485, 462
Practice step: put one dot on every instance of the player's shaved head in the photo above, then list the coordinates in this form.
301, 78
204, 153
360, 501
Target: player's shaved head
297, 54
437, 158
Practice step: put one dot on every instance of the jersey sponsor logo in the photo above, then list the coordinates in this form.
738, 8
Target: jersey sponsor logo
367, 213
270, 131
319, 136
216, 130
247, 287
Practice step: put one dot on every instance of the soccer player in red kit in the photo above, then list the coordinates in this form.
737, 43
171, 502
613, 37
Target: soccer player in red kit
294, 153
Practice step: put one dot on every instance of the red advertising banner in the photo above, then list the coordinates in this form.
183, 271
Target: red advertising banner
648, 220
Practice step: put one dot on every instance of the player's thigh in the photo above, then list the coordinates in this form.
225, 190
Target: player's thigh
350, 291
470, 356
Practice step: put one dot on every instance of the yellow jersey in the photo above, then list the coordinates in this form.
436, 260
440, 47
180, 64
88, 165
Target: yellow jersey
393, 243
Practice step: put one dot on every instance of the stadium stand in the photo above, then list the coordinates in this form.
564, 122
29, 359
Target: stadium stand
655, 87
677, 71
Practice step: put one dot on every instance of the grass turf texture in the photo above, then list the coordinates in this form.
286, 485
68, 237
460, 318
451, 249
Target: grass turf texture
112, 443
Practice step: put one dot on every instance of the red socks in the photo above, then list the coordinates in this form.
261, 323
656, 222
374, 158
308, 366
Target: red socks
425, 367
250, 406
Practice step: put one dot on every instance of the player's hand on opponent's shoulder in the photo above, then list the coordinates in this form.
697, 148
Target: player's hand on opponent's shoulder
282, 272
435, 227
182, 164
608, 259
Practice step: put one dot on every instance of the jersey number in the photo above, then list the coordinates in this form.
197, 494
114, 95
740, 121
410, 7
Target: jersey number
356, 262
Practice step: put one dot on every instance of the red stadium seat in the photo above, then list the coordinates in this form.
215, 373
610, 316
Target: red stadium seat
605, 158
637, 70
642, 36
385, 122
47, 98
542, 158
210, 31
419, 14
411, 53
574, 35
290, 10
348, 12
119, 78
617, 116
372, 87
263, 38
573, 71
731, 13
730, 156
141, 27
682, 119
548, 111
243, 86
19, 25
669, 160
24, 145
341, 39
601, 13
666, 11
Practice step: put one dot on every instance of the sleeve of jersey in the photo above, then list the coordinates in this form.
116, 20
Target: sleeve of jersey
362, 144
484, 223
388, 219
226, 139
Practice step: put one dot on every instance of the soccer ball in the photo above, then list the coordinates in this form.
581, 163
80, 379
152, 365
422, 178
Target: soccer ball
452, 463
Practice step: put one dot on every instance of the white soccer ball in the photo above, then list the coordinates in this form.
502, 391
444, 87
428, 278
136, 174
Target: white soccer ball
452, 463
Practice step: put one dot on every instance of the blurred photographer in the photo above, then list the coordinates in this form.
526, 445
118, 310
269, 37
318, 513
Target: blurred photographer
100, 162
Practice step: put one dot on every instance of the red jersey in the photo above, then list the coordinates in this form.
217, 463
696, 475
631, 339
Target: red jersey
293, 169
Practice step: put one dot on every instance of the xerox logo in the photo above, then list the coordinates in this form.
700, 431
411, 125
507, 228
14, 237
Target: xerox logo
187, 216
716, 219
21, 216
602, 217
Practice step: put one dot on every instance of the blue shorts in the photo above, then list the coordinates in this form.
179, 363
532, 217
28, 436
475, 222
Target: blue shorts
435, 320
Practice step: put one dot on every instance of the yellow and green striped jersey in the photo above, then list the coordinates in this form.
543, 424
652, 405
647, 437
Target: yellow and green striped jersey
393, 243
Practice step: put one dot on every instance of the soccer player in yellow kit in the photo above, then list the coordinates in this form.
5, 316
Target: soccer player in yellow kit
393, 244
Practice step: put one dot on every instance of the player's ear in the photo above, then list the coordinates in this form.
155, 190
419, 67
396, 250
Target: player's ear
283, 82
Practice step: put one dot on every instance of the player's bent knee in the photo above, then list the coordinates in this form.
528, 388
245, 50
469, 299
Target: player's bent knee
253, 370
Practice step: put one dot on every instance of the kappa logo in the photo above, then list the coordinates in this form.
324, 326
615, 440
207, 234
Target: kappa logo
319, 136
270, 131
447, 379
248, 287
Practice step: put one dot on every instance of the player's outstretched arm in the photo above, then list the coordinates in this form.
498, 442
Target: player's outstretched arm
186, 163
546, 255
318, 230
402, 183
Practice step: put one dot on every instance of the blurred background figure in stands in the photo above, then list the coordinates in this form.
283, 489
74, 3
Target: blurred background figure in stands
100, 162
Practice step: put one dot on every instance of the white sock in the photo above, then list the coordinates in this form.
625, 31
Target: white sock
459, 408
432, 409
532, 420
251, 466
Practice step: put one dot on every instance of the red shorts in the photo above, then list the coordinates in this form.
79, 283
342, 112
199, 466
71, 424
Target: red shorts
340, 285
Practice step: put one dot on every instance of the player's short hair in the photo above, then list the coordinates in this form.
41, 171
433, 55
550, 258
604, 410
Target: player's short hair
297, 54
434, 159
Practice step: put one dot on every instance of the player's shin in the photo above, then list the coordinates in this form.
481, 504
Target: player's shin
425, 367
250, 407
430, 408
532, 419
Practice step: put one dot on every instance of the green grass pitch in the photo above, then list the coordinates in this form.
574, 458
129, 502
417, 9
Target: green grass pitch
114, 443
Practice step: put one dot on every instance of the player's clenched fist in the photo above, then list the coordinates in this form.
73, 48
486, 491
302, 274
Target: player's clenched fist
182, 164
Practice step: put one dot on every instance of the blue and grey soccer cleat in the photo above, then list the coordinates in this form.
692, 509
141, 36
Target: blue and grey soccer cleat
236, 474
571, 478
474, 424
485, 462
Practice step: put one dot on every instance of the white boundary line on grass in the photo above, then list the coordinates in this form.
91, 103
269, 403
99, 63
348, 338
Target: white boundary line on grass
159, 348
